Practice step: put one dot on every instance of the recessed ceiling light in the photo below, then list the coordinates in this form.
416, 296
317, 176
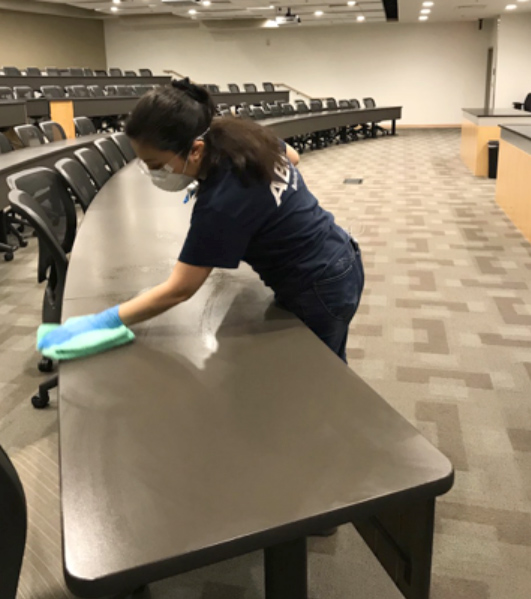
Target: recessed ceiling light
116, 1
114, 8
522, 0
425, 11
270, 23
360, 18
510, 7
206, 3
351, 2
423, 18
192, 11
428, 4
318, 13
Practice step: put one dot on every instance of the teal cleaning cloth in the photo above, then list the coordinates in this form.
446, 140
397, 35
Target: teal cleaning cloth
85, 344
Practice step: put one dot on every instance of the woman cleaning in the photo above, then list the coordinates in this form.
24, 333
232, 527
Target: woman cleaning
251, 205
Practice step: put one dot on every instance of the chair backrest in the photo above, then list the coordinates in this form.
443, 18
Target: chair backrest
6, 93
29, 135
52, 71
33, 72
233, 88
249, 87
244, 112
527, 103
268, 87
125, 90
214, 89
244, 105
301, 107
53, 262
222, 106
76, 72
13, 524
257, 112
145, 73
110, 152
316, 106
52, 130
276, 110
5, 144
369, 103
48, 189
140, 90
355, 104
77, 180
52, 91
78, 91
130, 74
95, 91
115, 72
23, 91
94, 164
88, 72
344, 105
100, 73
287, 109
225, 112
64, 72
112, 90
124, 145
11, 71
331, 104
84, 126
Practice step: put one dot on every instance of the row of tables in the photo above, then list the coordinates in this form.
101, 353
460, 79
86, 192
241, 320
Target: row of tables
512, 128
227, 427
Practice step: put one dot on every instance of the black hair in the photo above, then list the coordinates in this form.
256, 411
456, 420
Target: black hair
173, 117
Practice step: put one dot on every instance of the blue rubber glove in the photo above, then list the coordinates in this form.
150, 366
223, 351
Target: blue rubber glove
107, 319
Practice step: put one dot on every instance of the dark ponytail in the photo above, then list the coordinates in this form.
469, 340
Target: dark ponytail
172, 117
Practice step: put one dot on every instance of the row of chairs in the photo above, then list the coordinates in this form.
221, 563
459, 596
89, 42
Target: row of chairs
50, 131
72, 72
46, 199
235, 89
51, 92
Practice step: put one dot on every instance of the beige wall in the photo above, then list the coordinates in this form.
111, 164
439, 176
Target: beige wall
44, 40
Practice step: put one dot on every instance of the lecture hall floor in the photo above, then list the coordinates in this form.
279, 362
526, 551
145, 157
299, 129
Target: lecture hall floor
443, 333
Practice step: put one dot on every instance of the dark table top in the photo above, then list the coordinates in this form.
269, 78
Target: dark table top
521, 130
234, 99
12, 113
226, 427
496, 112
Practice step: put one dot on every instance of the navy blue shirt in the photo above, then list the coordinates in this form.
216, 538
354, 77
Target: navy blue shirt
278, 228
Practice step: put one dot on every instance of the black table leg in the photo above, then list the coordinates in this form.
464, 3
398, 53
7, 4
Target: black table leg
393, 127
402, 540
286, 571
374, 130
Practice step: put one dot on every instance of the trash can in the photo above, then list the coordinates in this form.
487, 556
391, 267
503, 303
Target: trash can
494, 150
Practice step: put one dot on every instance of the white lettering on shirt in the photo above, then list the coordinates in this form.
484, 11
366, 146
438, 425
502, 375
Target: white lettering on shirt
283, 172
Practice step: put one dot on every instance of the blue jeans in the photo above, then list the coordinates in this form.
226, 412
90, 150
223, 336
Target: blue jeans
331, 302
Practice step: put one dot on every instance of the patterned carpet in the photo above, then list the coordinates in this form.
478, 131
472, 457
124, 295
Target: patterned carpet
443, 333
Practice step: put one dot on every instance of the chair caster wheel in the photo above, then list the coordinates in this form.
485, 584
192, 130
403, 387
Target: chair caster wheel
8, 256
40, 401
45, 365
23, 243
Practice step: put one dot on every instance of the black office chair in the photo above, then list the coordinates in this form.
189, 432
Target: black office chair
112, 155
527, 103
364, 128
268, 87
76, 72
130, 74
13, 524
140, 90
225, 112
84, 126
64, 72
125, 90
244, 112
55, 265
33, 72
52, 131
213, 89
370, 103
95, 166
124, 145
52, 71
6, 93
88, 72
266, 107
77, 180
11, 72
22, 92
95, 91
52, 92
275, 110
30, 136
257, 113
222, 106
233, 88
6, 249
5, 144
249, 87
100, 73
301, 107
77, 91
331, 104
287, 109
145, 73
115, 72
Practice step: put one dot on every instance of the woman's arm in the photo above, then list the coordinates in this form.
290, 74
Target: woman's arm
292, 155
181, 285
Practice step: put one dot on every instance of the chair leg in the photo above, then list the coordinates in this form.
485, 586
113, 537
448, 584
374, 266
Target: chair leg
43, 398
